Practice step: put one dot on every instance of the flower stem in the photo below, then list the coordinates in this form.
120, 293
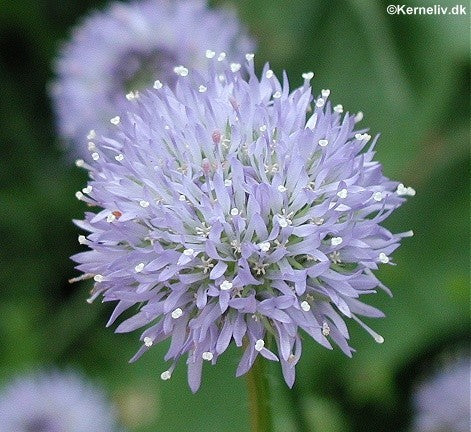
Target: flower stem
258, 394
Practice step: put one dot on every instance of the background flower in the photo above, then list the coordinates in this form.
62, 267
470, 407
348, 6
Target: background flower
232, 216
126, 47
54, 401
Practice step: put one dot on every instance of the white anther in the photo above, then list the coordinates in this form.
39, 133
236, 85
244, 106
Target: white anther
264, 247
325, 93
318, 221
308, 75
210, 54
139, 267
383, 258
79, 195
335, 241
343, 193
131, 95
119, 157
79, 163
95, 156
358, 116
177, 313
234, 211
207, 355
263, 128
181, 70
235, 67
228, 182
165, 375
402, 190
115, 120
158, 84
91, 135
325, 329
144, 203
277, 95
167, 127
305, 306
359, 136
378, 196
82, 239
323, 142
259, 345
338, 108
182, 198
110, 218
91, 146
221, 56
281, 188
98, 278
148, 342
269, 74
249, 56
202, 88
188, 252
226, 286
87, 189
320, 102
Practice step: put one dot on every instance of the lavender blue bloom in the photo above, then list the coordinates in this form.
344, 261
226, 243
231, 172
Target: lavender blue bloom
54, 402
443, 402
234, 210
115, 53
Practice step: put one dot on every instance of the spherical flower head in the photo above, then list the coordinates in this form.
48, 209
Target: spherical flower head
54, 402
442, 403
234, 210
115, 53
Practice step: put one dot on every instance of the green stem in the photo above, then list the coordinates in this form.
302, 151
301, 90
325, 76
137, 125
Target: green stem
258, 394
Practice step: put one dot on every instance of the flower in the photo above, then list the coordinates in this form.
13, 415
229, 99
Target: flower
115, 53
54, 401
208, 243
442, 402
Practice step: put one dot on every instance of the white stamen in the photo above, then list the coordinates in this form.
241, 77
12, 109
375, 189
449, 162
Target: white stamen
359, 136
158, 84
263, 128
259, 345
139, 267
188, 252
144, 203
91, 146
281, 188
383, 258
110, 218
115, 120
87, 189
234, 211
95, 156
228, 182
132, 95
177, 313
269, 74
378, 196
338, 108
91, 135
277, 95
202, 88
98, 278
325, 93
318, 221
226, 286
79, 163
343, 193
148, 342
210, 54
323, 142
402, 190
336, 241
222, 56
358, 117
235, 67
264, 247
82, 239
207, 355
165, 375
182, 198
167, 127
181, 70
249, 56
320, 102
325, 329
78, 195
119, 157
378, 338
283, 222
308, 75
305, 306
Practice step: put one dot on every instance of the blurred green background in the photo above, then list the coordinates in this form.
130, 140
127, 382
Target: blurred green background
410, 75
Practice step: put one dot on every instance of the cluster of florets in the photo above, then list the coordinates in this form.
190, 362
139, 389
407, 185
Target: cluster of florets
55, 401
234, 209
117, 52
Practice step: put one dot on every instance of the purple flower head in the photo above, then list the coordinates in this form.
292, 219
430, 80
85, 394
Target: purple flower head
236, 210
54, 402
443, 402
117, 52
